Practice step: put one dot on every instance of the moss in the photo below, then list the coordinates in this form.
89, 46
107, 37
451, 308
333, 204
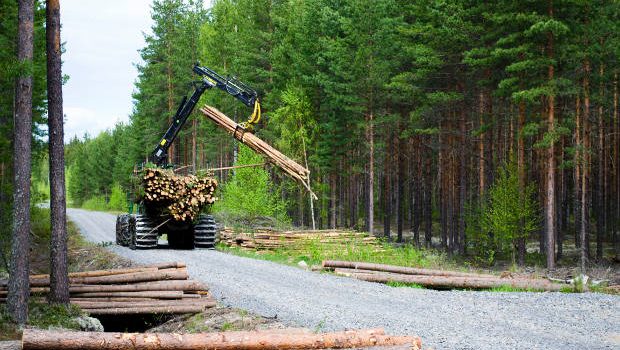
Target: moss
42, 316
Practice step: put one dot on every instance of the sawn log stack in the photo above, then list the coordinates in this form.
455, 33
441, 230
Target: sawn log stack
155, 289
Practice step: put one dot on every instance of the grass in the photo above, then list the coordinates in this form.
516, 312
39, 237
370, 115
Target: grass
404, 285
313, 252
42, 316
82, 256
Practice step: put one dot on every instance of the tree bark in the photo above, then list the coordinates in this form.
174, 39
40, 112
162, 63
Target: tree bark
600, 176
20, 248
59, 279
584, 204
455, 282
550, 183
522, 178
371, 176
253, 340
428, 200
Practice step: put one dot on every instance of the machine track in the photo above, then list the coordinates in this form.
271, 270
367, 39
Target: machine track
143, 232
205, 232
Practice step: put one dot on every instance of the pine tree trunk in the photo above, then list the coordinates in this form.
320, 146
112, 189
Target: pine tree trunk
19, 282
522, 177
550, 183
428, 200
577, 172
616, 162
584, 205
600, 188
59, 280
371, 176
400, 181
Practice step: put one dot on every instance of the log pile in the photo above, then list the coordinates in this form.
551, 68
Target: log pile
289, 166
438, 279
254, 340
269, 239
155, 289
181, 196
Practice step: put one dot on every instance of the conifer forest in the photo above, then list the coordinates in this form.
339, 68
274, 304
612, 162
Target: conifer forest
483, 129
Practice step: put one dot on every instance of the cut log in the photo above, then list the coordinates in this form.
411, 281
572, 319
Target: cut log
98, 273
400, 269
167, 265
157, 275
147, 294
451, 282
160, 275
289, 166
172, 309
143, 305
37, 339
186, 286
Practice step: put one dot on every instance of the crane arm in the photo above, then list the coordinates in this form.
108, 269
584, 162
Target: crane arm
210, 79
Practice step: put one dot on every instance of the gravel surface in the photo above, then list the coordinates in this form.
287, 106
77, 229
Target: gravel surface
444, 319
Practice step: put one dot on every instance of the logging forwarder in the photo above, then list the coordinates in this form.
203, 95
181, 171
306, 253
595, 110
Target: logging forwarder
143, 229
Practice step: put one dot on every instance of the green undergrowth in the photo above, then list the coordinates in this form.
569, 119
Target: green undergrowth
313, 252
404, 285
40, 315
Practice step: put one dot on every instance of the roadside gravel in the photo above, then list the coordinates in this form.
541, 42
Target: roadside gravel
444, 319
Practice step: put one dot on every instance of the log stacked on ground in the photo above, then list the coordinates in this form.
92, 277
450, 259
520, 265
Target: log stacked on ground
434, 278
288, 165
180, 196
161, 288
269, 239
255, 340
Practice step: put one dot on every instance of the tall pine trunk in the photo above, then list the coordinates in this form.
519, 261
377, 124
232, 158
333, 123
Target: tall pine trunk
19, 283
59, 278
584, 203
550, 183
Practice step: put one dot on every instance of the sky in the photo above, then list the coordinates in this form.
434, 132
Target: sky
102, 43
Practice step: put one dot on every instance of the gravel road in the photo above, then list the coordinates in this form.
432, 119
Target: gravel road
444, 319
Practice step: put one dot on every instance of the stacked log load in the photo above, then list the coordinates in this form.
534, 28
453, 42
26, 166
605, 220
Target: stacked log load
270, 239
439, 279
183, 197
155, 289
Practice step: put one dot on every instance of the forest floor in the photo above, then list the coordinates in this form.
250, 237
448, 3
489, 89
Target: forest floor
444, 319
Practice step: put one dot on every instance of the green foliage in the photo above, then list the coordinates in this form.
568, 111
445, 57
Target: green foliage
249, 192
118, 199
41, 316
509, 214
313, 252
98, 203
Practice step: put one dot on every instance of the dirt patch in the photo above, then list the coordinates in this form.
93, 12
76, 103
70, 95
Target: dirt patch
218, 319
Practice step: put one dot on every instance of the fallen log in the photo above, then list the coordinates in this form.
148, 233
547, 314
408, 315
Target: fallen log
185, 285
99, 273
168, 265
143, 304
400, 269
146, 294
451, 282
172, 309
158, 275
38, 339
288, 165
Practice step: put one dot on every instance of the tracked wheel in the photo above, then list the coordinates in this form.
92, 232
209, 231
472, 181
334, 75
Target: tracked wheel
143, 232
205, 232
122, 230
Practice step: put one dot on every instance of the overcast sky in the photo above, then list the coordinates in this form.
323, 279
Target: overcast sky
102, 42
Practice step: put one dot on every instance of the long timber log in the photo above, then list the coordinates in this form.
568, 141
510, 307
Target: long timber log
146, 294
400, 269
37, 339
450, 282
288, 165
